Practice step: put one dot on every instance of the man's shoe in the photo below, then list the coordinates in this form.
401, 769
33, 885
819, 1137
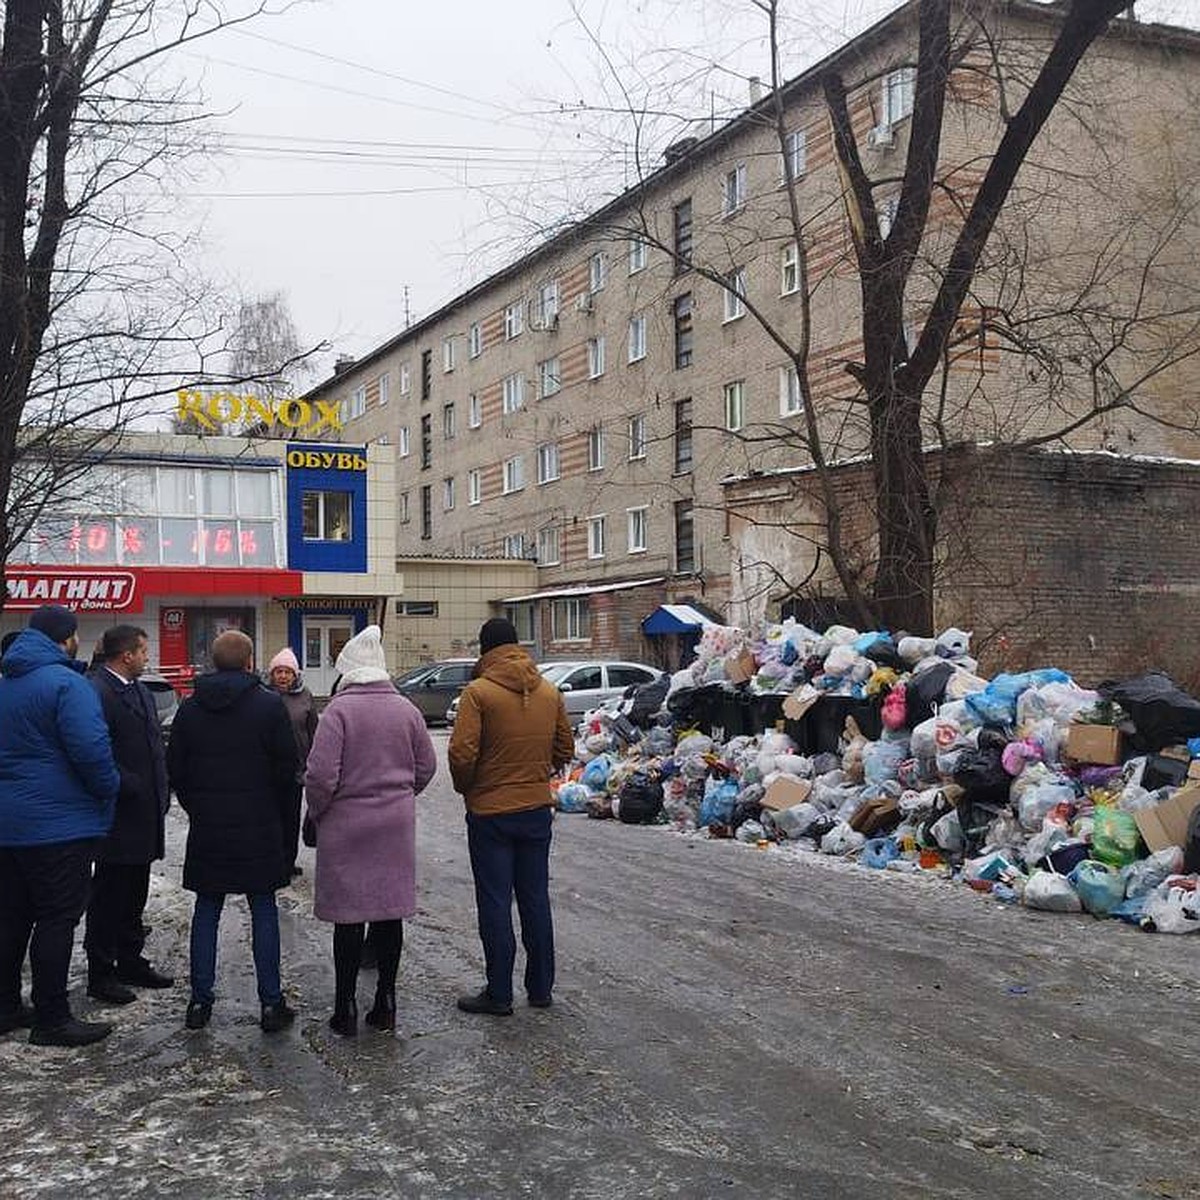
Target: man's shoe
276, 1017
540, 1001
70, 1032
143, 974
482, 1002
107, 990
199, 1014
20, 1017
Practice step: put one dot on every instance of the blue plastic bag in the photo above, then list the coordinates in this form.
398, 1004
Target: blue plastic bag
718, 804
878, 852
573, 798
997, 703
1100, 887
595, 774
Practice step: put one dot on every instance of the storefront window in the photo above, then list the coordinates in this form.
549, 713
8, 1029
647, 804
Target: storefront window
256, 541
98, 541
254, 490
139, 541
326, 516
176, 490
218, 493
180, 543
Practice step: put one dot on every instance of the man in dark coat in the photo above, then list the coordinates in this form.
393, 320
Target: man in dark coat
58, 783
232, 763
115, 935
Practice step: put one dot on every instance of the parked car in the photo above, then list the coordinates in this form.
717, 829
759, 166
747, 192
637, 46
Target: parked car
432, 687
166, 700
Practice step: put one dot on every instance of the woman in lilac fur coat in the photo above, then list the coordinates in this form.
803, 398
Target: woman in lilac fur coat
370, 758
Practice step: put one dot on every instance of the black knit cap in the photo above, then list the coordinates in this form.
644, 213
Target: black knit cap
56, 622
496, 632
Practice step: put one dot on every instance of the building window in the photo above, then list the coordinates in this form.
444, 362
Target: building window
514, 545
426, 512
795, 156
595, 357
514, 474
735, 295
475, 340
596, 448
685, 537
637, 530
385, 387
546, 305
637, 436
449, 422
426, 374
474, 411
595, 527
426, 442
521, 616
683, 437
735, 405
405, 381
638, 255
448, 494
514, 393
404, 442
549, 378
733, 190
514, 320
356, 405
416, 608
637, 339
402, 514
547, 462
790, 400
789, 269
682, 220
326, 516
570, 620
898, 92
474, 487
448, 354
597, 272
683, 330
548, 546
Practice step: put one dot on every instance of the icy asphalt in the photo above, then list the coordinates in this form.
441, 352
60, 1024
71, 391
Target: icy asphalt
729, 1022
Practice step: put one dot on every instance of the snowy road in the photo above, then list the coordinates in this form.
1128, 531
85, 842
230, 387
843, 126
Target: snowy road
729, 1022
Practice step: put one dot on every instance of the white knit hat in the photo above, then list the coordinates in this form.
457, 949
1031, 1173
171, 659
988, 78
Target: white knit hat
361, 659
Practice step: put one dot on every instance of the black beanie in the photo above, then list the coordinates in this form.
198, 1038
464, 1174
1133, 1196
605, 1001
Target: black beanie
496, 632
56, 622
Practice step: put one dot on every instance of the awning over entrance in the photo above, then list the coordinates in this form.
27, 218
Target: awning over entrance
674, 618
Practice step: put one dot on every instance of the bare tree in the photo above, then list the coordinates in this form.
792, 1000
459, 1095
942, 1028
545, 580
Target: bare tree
100, 315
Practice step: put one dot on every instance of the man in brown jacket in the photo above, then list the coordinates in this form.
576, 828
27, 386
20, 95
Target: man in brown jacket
510, 734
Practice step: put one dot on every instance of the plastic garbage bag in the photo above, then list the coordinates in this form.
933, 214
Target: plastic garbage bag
718, 804
1162, 712
1143, 877
573, 798
1115, 837
997, 703
1100, 888
1051, 893
882, 759
841, 839
878, 852
595, 774
981, 774
1171, 910
947, 833
1037, 802
693, 744
659, 741
751, 832
796, 821
641, 799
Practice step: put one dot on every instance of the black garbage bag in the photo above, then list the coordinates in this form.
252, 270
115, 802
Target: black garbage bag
1162, 713
981, 775
1191, 848
641, 799
647, 700
924, 691
884, 653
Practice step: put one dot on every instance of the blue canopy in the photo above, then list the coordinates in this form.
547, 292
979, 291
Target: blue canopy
674, 618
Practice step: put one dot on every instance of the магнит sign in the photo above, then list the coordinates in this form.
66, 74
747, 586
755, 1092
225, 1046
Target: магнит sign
85, 591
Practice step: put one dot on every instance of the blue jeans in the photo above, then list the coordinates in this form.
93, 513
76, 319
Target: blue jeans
264, 932
510, 854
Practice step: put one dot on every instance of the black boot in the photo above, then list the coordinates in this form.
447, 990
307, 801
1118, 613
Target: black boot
70, 1032
345, 1018
383, 1014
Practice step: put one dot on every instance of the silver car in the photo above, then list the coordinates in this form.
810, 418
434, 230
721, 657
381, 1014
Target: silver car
586, 684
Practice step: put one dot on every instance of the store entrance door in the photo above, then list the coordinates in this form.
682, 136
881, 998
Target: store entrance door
324, 638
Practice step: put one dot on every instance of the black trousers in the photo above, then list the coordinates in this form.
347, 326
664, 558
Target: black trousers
43, 891
114, 936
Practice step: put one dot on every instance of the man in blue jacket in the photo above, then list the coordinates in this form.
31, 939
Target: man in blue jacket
58, 786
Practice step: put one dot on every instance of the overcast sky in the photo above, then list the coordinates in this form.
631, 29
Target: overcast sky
374, 146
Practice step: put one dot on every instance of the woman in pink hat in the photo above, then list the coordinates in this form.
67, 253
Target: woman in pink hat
283, 674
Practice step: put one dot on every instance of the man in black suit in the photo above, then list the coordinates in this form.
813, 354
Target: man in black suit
115, 935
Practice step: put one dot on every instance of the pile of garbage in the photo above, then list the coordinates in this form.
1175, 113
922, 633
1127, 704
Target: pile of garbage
901, 757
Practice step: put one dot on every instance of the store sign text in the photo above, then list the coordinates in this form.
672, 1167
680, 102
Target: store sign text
326, 460
214, 410
108, 591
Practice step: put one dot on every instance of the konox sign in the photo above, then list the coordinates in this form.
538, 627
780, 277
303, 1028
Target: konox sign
213, 410
84, 591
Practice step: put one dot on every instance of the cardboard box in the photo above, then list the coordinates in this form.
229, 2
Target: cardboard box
786, 791
1166, 824
1094, 744
740, 667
